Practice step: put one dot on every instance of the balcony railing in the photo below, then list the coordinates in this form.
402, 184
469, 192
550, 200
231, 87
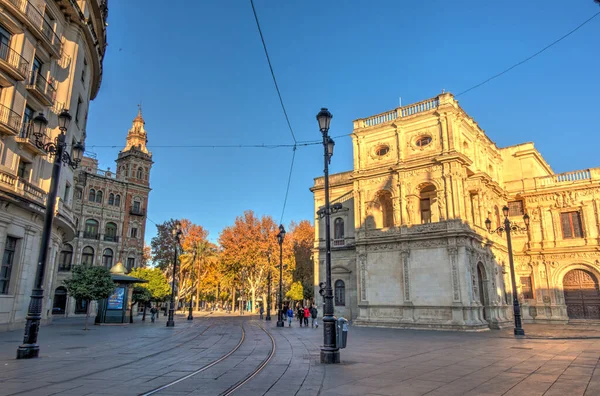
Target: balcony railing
111, 238
42, 87
137, 211
22, 187
400, 112
38, 20
14, 60
9, 120
28, 140
91, 235
339, 242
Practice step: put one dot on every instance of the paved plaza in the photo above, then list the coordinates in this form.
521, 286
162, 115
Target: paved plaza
226, 354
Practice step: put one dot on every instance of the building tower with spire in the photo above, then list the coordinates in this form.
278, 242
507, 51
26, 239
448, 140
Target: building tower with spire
110, 211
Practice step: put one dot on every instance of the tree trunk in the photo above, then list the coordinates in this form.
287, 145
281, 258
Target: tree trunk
144, 314
253, 305
131, 313
233, 298
87, 314
198, 288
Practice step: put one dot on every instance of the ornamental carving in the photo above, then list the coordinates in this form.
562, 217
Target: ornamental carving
406, 274
453, 253
362, 259
415, 172
382, 246
428, 243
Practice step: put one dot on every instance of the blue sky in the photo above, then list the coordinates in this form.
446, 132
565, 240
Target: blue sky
200, 71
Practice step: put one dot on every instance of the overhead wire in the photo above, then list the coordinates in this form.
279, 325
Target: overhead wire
528, 58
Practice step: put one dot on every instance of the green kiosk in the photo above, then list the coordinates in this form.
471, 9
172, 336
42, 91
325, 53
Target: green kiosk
115, 309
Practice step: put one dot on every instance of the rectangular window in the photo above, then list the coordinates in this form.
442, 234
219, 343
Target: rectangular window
24, 170
571, 225
425, 211
526, 287
136, 206
28, 115
134, 232
130, 263
7, 262
77, 110
67, 192
515, 208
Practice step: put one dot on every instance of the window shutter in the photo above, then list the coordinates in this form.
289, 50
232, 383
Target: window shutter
566, 225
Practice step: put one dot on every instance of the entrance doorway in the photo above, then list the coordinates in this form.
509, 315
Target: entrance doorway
60, 301
482, 282
582, 296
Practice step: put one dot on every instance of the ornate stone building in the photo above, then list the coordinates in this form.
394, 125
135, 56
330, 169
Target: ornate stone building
51, 54
410, 247
110, 213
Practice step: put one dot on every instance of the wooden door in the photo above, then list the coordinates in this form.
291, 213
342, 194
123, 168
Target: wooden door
582, 296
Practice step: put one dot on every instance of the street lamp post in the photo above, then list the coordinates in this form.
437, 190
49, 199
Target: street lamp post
508, 227
57, 149
330, 353
268, 317
177, 237
280, 238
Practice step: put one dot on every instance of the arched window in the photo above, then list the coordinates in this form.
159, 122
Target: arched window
99, 196
427, 194
91, 229
117, 200
338, 232
110, 232
387, 209
111, 199
107, 258
87, 256
139, 174
92, 196
65, 258
340, 292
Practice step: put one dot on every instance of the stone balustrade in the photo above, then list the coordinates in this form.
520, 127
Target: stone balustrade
23, 188
338, 178
400, 112
576, 178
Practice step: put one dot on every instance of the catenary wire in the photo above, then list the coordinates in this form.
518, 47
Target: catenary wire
289, 181
528, 58
272, 72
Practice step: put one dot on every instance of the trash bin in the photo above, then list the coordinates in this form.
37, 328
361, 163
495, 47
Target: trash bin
342, 332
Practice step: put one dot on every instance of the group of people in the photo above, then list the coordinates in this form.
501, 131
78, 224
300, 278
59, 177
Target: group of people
302, 314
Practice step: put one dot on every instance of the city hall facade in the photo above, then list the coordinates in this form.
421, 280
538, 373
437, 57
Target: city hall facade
410, 247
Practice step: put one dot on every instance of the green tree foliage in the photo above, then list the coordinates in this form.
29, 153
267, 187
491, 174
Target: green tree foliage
296, 292
157, 285
90, 283
162, 245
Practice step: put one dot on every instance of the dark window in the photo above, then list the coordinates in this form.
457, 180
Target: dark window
87, 256
423, 141
83, 71
107, 258
134, 232
5, 41
340, 292
571, 225
136, 206
526, 287
67, 191
28, 115
118, 200
91, 229
139, 173
23, 170
338, 232
65, 258
387, 209
130, 263
515, 208
92, 196
110, 233
382, 150
78, 109
111, 199
99, 196
7, 262
36, 69
425, 210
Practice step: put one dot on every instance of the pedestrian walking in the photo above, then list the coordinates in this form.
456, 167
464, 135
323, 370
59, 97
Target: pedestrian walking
152, 313
262, 311
306, 315
290, 316
300, 314
313, 314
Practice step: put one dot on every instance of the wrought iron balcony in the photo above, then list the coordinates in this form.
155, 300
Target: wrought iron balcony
41, 88
91, 235
12, 63
9, 121
28, 141
137, 211
111, 238
42, 28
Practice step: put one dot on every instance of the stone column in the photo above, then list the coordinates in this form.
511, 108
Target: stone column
444, 131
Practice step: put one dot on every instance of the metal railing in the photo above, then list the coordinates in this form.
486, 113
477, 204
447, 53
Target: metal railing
137, 212
111, 238
91, 235
10, 119
14, 59
37, 19
26, 134
43, 86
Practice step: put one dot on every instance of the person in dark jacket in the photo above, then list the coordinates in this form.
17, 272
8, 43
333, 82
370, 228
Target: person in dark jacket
313, 314
300, 314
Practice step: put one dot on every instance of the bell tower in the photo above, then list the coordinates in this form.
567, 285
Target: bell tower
134, 161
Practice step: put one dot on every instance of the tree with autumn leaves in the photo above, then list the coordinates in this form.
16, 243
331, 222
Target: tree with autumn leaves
240, 261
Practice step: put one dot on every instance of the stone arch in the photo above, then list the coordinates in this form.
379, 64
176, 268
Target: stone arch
580, 291
427, 195
383, 208
559, 275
